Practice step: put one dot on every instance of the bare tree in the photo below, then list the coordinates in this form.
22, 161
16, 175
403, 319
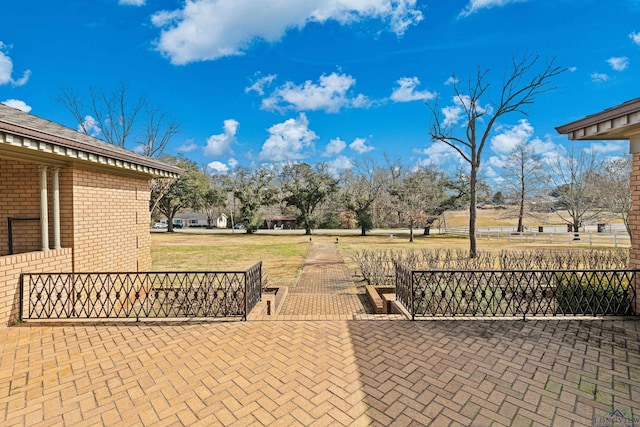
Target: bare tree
520, 87
522, 173
159, 128
120, 119
615, 187
361, 187
573, 180
422, 195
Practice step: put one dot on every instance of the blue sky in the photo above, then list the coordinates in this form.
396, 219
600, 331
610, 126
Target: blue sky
260, 81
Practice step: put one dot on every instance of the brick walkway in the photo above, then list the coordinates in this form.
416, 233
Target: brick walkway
321, 373
325, 291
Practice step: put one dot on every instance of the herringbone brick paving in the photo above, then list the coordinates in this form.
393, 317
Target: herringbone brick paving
480, 373
325, 288
337, 372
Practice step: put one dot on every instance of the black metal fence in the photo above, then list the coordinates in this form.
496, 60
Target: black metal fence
140, 295
515, 293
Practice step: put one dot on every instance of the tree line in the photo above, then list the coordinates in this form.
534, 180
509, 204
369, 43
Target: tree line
575, 185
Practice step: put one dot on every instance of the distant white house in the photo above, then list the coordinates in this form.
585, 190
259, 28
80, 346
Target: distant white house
198, 219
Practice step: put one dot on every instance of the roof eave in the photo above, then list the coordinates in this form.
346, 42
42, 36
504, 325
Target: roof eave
617, 123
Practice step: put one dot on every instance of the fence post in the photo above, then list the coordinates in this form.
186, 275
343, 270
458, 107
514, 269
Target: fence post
413, 308
21, 299
245, 295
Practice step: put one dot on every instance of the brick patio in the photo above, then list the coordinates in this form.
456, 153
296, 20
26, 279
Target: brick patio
311, 372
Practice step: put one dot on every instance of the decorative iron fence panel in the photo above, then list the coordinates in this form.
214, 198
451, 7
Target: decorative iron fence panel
140, 295
516, 293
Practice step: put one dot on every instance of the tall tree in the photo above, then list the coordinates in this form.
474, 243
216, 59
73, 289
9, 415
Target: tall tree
214, 199
361, 186
520, 87
253, 188
522, 171
305, 187
573, 179
188, 191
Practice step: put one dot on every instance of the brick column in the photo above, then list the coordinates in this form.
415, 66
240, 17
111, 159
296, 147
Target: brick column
56, 208
634, 222
44, 208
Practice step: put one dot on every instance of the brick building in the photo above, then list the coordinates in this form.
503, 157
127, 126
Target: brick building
621, 122
68, 203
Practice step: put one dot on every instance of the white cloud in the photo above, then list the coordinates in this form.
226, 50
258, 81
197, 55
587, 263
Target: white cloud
406, 91
454, 114
359, 145
476, 5
490, 172
90, 126
497, 161
544, 147
132, 2
451, 81
232, 162
220, 144
290, 140
218, 167
635, 37
329, 94
440, 153
6, 69
188, 146
510, 136
599, 77
618, 63
607, 147
18, 104
338, 164
210, 29
335, 146
260, 83
572, 69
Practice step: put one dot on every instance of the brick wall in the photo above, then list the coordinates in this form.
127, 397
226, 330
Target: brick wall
55, 261
19, 198
110, 222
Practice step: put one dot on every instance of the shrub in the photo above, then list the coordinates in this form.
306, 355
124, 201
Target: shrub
593, 293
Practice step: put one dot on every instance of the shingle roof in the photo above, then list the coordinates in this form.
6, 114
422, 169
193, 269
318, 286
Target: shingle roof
20, 129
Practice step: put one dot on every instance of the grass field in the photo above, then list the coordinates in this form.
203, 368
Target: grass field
283, 253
